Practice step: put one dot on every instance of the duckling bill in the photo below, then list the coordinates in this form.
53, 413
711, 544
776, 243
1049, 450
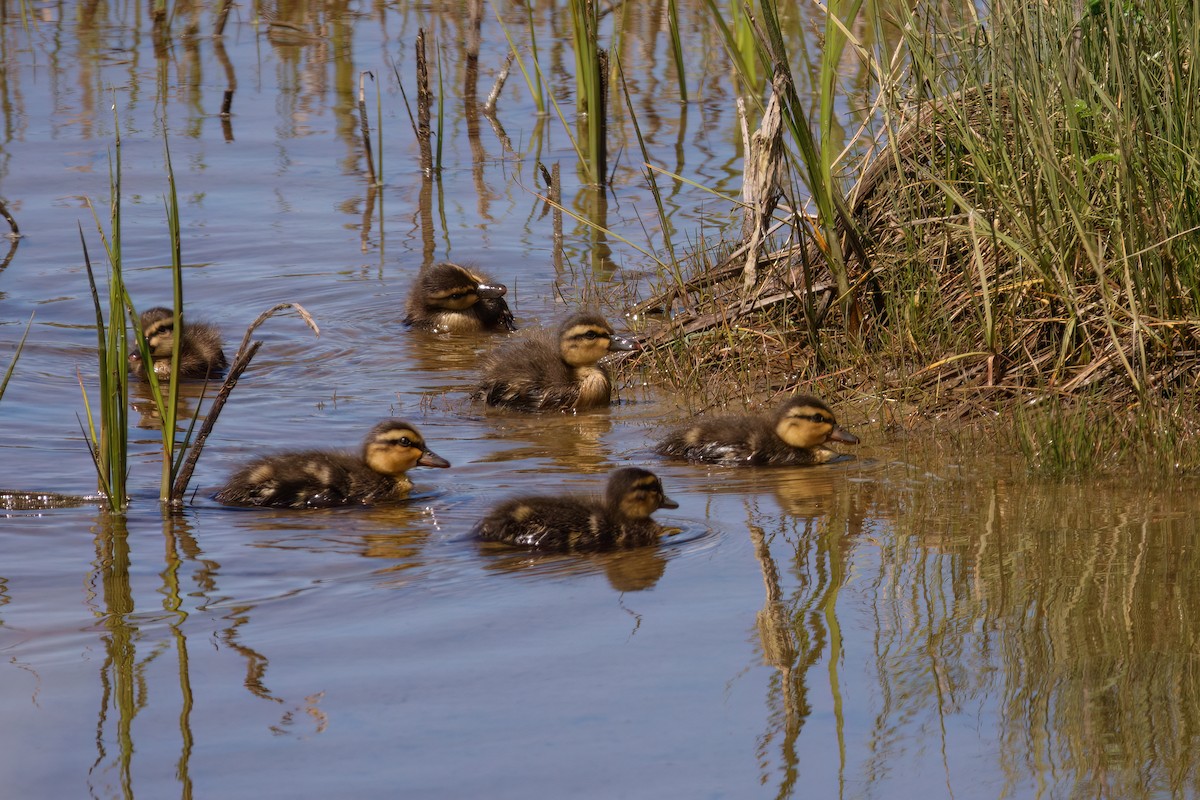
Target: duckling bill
322, 479
449, 298
795, 435
554, 370
200, 353
574, 524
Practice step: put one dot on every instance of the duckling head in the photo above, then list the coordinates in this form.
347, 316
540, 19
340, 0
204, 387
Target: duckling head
158, 326
394, 447
636, 493
450, 287
805, 421
586, 338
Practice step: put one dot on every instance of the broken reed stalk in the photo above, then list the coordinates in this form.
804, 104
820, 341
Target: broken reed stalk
365, 125
246, 352
424, 103
489, 106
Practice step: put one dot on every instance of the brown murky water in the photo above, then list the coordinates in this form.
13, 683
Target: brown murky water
915, 622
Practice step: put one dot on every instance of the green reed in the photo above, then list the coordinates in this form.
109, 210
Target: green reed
12, 365
813, 154
591, 81
532, 72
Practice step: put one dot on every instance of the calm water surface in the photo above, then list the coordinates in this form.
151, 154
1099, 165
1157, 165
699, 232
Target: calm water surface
915, 622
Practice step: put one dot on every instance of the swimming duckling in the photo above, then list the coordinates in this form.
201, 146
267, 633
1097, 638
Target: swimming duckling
794, 435
567, 524
448, 298
200, 352
554, 370
322, 478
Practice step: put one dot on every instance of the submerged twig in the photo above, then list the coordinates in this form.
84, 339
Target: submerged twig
12, 223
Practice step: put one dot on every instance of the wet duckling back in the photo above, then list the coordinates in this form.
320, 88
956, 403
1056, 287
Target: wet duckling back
321, 478
556, 370
571, 524
200, 353
448, 298
794, 435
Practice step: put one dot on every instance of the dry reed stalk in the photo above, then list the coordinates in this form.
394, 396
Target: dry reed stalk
424, 104
365, 126
246, 352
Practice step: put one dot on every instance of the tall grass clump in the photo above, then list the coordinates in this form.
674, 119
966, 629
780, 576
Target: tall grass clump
108, 430
1041, 182
108, 437
1025, 220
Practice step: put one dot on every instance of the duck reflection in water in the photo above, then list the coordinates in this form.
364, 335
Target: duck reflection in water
626, 570
577, 442
320, 479
190, 394
620, 519
556, 370
795, 435
449, 298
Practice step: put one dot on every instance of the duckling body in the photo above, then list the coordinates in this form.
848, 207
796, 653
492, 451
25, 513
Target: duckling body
448, 298
573, 524
200, 353
554, 370
322, 478
795, 435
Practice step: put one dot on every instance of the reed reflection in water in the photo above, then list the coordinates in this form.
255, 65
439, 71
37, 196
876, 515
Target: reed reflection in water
1033, 625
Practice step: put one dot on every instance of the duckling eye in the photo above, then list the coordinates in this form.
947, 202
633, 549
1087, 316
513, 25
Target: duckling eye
459, 295
405, 442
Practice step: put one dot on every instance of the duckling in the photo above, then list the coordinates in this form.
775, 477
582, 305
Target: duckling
448, 298
572, 524
200, 353
320, 479
794, 435
554, 370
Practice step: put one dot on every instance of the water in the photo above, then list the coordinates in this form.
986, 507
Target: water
923, 620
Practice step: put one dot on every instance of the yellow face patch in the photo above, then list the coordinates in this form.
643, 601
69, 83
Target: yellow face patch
159, 335
395, 451
644, 497
585, 344
806, 426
